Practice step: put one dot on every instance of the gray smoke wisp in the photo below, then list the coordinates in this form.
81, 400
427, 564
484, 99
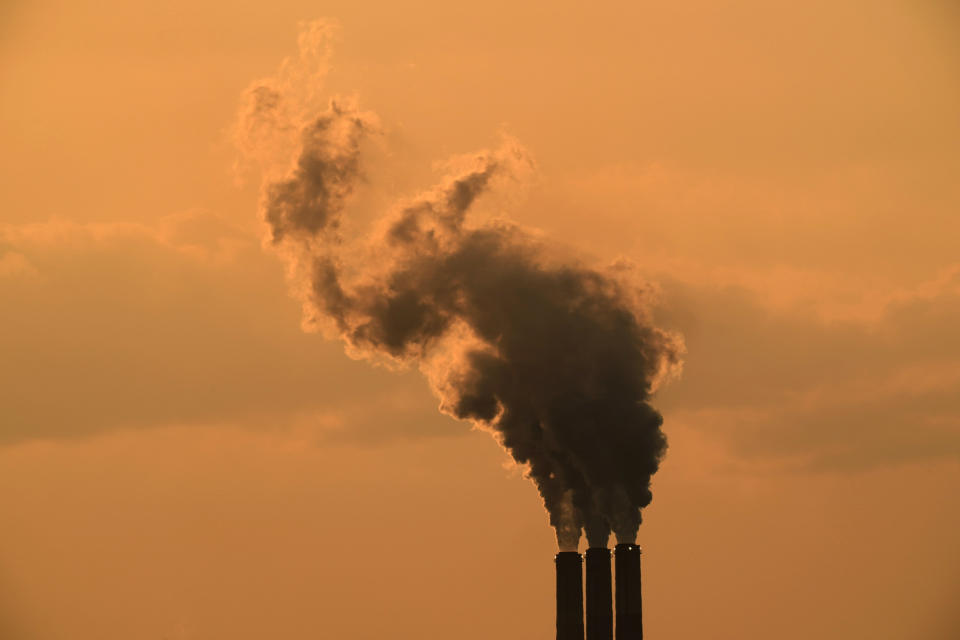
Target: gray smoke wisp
556, 359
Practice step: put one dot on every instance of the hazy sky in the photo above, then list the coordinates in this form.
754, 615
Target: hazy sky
179, 460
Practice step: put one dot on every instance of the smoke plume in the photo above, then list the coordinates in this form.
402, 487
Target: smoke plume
556, 359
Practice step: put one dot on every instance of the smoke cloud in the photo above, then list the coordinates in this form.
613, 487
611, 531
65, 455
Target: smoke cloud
556, 359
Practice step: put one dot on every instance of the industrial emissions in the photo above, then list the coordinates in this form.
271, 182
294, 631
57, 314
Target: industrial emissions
556, 359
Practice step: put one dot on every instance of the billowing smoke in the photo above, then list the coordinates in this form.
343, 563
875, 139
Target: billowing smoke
556, 359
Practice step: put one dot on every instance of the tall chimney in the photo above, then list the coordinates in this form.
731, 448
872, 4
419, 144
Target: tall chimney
599, 595
569, 595
629, 605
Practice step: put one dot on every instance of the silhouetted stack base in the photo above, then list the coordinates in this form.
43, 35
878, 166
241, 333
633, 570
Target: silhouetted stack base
629, 603
599, 595
569, 595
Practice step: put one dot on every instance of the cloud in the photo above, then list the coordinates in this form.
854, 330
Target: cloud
184, 321
15, 265
842, 395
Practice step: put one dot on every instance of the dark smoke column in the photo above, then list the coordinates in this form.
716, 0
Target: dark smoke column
629, 604
599, 595
569, 595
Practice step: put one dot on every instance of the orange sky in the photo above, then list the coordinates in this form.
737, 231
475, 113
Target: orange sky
179, 460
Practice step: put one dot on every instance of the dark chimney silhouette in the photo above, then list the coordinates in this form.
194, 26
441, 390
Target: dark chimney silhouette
629, 604
569, 595
599, 595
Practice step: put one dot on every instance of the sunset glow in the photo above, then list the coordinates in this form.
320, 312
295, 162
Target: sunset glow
271, 276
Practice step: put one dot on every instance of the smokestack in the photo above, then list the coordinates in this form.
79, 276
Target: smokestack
629, 605
599, 595
569, 595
